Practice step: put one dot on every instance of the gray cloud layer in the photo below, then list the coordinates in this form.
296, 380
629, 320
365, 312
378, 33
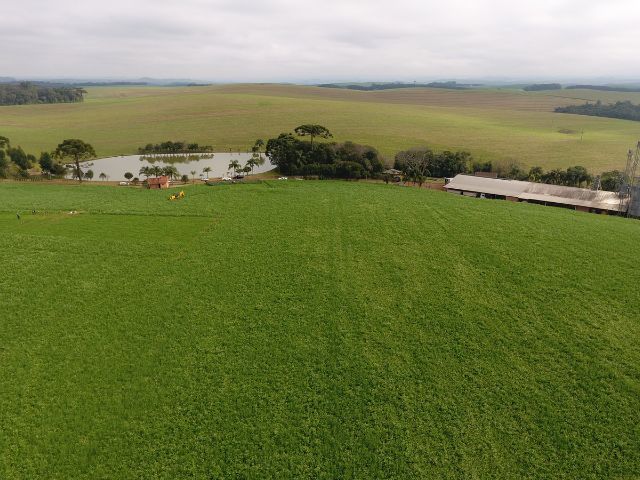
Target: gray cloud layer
236, 40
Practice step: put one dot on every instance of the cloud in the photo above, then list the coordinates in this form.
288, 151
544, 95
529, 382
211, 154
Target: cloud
279, 40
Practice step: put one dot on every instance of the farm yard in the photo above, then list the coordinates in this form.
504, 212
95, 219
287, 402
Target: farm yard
311, 329
500, 125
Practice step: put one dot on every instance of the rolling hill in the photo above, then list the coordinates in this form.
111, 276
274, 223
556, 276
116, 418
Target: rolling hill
499, 125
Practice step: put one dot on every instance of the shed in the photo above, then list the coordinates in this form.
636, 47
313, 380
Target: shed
158, 183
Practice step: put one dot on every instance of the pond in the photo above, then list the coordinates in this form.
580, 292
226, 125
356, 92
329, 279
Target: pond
115, 167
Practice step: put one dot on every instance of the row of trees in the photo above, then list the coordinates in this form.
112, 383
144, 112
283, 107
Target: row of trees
577, 176
293, 156
174, 147
89, 174
157, 171
540, 87
24, 93
14, 160
623, 110
419, 163
175, 157
604, 88
451, 85
256, 160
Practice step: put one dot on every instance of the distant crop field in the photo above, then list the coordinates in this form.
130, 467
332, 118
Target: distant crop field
499, 125
314, 330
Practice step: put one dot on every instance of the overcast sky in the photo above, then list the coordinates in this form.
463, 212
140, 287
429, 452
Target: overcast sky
286, 40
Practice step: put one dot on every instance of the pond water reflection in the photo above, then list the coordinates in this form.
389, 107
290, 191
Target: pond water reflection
115, 167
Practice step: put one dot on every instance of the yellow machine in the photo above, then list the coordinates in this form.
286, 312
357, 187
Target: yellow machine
177, 196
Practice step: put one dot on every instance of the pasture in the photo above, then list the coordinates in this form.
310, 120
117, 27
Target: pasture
498, 125
312, 330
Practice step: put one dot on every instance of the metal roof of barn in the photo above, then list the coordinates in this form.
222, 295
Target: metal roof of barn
494, 186
540, 192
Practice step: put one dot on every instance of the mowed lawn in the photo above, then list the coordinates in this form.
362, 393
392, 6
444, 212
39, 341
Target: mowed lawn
314, 330
499, 125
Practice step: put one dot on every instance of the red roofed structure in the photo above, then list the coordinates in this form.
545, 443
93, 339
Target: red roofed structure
158, 182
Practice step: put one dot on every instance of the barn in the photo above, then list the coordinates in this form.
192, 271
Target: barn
581, 199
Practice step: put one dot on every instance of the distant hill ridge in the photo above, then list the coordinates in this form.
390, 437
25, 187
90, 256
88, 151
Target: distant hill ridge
393, 85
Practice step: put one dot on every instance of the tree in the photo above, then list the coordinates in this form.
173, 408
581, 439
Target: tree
19, 157
250, 164
535, 174
156, 170
103, 176
146, 171
234, 165
128, 175
46, 162
516, 172
88, 174
184, 178
423, 162
4, 157
257, 146
193, 175
578, 175
611, 181
76, 150
4, 164
482, 166
256, 159
553, 177
170, 171
415, 163
312, 131
206, 171
286, 153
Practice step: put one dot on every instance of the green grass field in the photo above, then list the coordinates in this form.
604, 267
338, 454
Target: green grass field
314, 330
499, 125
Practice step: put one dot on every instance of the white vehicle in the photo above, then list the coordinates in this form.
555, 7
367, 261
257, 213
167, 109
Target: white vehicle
124, 184
283, 178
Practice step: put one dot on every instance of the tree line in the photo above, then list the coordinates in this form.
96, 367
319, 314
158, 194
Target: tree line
14, 161
576, 176
294, 156
24, 93
174, 147
540, 87
604, 88
537, 87
419, 163
623, 110
388, 86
